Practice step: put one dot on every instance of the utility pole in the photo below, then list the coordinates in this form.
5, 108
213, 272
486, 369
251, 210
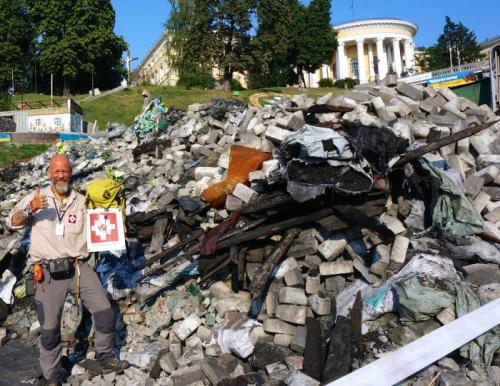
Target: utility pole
93, 80
35, 74
51, 89
128, 60
451, 56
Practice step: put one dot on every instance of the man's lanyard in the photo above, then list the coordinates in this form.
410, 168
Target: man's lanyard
59, 215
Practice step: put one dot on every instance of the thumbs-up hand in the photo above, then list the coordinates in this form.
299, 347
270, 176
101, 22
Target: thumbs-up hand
39, 201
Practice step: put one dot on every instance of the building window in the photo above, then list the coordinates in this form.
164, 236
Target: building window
354, 68
38, 122
375, 65
57, 121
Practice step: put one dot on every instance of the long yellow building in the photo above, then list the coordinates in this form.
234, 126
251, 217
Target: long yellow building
368, 49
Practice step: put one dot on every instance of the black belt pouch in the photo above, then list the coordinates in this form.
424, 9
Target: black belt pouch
61, 269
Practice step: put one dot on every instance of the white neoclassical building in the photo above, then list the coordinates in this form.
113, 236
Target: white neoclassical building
368, 48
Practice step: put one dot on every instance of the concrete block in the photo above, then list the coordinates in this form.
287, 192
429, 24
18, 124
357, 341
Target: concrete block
257, 176
392, 223
312, 284
380, 259
473, 184
480, 202
409, 91
223, 161
286, 265
335, 283
291, 122
447, 93
282, 340
358, 96
337, 267
428, 105
186, 327
244, 193
298, 378
331, 249
493, 216
233, 203
320, 306
294, 277
298, 342
278, 326
453, 108
276, 135
291, 313
399, 249
290, 295
481, 142
445, 119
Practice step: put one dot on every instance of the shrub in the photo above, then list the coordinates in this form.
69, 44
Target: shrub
236, 85
196, 79
327, 82
345, 83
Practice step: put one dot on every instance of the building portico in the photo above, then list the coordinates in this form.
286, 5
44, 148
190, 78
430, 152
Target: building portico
368, 49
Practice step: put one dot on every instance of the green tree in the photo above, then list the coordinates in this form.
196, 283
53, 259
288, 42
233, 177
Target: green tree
205, 34
456, 45
190, 41
16, 44
269, 65
76, 38
313, 40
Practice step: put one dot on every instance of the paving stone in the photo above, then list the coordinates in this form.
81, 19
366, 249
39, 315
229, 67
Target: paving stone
244, 193
294, 278
291, 313
399, 249
337, 267
409, 91
331, 249
320, 306
186, 327
278, 326
289, 295
481, 274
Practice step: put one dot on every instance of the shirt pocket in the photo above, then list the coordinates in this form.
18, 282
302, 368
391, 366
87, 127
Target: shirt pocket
74, 221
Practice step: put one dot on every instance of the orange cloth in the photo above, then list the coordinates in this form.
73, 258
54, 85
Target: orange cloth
242, 160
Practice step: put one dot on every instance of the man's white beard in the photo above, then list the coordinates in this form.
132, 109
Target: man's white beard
61, 187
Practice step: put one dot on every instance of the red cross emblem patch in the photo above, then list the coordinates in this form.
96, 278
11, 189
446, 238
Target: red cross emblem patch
72, 219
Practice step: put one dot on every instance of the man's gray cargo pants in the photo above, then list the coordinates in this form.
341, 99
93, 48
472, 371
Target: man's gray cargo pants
49, 301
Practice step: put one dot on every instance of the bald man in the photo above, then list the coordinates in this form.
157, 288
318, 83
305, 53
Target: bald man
56, 215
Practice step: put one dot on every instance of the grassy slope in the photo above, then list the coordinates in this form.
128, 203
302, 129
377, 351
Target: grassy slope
124, 106
10, 152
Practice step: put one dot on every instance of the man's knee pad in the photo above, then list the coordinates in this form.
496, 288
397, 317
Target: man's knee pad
51, 338
105, 321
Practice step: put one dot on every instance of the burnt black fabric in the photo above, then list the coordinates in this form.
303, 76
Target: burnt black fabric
342, 178
221, 106
377, 144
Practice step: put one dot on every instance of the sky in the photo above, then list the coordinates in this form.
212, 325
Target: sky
141, 22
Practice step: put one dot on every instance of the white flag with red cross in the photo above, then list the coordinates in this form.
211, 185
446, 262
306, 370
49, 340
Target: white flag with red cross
105, 230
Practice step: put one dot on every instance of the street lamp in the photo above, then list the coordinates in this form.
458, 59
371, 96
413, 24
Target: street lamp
93, 94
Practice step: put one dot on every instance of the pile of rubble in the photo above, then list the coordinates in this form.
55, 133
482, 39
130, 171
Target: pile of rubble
291, 244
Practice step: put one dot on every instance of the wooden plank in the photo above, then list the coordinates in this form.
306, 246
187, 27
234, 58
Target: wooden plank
406, 361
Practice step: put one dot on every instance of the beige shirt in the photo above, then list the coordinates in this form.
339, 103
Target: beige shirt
45, 244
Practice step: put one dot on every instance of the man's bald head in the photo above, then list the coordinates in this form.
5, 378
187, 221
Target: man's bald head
58, 161
60, 173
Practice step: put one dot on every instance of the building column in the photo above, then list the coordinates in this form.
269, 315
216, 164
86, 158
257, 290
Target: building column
409, 55
341, 61
361, 61
397, 56
371, 70
382, 59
